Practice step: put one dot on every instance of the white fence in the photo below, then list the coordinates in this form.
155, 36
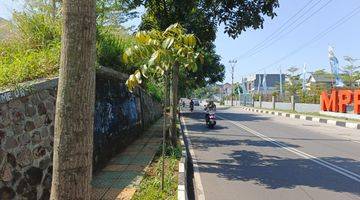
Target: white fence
299, 107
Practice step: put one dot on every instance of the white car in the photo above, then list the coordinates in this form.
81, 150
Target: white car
196, 102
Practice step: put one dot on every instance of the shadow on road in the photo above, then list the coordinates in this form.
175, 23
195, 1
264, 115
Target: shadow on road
204, 143
234, 116
272, 172
275, 172
281, 138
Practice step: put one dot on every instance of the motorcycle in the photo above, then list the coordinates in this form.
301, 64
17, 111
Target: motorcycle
211, 119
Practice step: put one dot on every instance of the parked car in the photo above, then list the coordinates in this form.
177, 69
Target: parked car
196, 102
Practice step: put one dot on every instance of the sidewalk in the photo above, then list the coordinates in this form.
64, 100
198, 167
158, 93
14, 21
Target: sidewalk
123, 174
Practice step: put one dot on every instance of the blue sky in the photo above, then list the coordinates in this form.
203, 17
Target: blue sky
7, 6
344, 38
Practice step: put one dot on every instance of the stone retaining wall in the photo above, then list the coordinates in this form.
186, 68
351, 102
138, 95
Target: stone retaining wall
27, 128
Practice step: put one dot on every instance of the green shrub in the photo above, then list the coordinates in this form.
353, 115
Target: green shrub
111, 44
38, 30
155, 90
19, 65
150, 187
222, 102
33, 52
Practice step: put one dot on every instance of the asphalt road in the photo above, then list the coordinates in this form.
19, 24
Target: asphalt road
251, 156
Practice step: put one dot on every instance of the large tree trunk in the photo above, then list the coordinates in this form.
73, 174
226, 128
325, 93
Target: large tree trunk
73, 139
174, 107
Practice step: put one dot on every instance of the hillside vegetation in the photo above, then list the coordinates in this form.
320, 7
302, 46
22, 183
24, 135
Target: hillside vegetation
34, 51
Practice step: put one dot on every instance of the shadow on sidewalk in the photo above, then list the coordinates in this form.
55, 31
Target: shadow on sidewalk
120, 177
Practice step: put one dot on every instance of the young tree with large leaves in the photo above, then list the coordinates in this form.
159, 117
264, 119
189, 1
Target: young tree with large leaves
163, 52
74, 118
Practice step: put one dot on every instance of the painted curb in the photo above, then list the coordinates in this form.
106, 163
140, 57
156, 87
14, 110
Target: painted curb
352, 125
182, 172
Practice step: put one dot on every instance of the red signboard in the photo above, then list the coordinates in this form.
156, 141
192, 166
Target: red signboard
337, 100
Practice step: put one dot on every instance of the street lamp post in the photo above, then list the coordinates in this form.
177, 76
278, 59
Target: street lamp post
232, 63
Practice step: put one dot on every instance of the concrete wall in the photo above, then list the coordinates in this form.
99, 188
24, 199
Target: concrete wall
27, 128
299, 107
283, 106
307, 107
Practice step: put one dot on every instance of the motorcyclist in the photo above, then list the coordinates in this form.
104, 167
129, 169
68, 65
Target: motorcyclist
191, 105
209, 107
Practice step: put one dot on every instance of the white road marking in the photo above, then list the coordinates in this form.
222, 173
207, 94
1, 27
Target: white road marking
355, 141
198, 185
324, 163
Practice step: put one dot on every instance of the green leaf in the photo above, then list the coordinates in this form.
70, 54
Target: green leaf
189, 40
128, 53
144, 70
168, 42
131, 82
138, 76
171, 28
160, 70
192, 40
142, 37
180, 51
194, 67
153, 42
154, 58
125, 58
200, 57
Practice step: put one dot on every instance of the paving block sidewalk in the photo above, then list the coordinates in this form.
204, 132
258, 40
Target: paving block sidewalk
123, 174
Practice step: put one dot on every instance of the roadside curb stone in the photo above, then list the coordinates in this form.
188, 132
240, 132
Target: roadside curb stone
352, 125
182, 172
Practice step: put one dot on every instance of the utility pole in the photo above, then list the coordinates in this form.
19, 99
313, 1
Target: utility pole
281, 84
232, 63
304, 80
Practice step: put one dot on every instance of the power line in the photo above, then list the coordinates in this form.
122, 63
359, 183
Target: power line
279, 37
281, 27
317, 37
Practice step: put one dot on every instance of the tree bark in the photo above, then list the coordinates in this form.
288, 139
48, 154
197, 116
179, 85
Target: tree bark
174, 103
167, 89
167, 97
74, 118
163, 139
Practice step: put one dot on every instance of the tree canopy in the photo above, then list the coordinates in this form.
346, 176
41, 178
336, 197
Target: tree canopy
159, 51
201, 18
235, 15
